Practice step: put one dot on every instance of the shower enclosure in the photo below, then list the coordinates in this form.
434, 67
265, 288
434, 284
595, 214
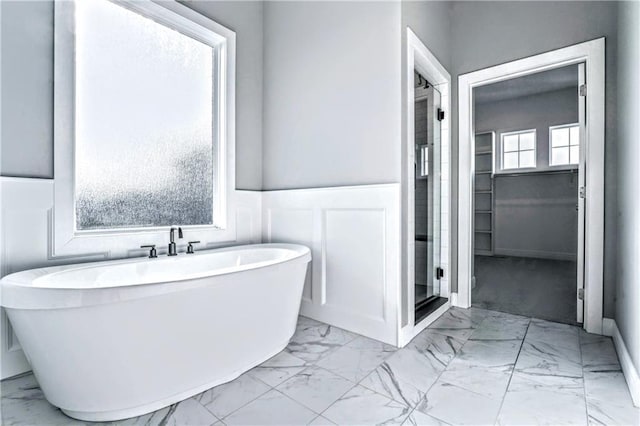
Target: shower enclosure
427, 198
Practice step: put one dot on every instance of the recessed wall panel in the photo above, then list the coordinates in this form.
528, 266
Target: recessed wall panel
354, 261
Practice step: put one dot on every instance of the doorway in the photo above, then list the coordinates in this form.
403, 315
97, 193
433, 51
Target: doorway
423, 69
528, 171
589, 250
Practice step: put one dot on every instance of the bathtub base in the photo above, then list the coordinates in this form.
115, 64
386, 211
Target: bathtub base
106, 416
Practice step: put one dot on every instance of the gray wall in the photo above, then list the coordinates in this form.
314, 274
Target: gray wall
27, 89
628, 267
331, 94
535, 215
431, 22
490, 33
27, 86
531, 112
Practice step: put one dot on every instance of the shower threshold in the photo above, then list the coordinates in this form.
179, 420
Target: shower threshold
426, 307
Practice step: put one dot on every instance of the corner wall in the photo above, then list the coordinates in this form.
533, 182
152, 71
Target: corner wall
331, 94
627, 314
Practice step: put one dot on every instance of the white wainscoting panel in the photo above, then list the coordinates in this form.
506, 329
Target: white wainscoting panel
354, 237
26, 243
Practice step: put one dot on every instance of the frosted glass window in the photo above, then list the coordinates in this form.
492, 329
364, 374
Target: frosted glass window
518, 150
565, 145
145, 145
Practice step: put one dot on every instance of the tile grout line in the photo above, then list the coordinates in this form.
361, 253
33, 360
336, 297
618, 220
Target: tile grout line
584, 385
512, 371
444, 369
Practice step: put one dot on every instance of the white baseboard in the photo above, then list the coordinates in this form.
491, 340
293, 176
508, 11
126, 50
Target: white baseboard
610, 328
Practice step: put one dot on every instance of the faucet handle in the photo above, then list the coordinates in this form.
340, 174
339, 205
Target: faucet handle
179, 232
152, 252
190, 246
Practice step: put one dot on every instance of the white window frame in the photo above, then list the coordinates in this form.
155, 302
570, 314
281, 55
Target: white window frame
501, 153
65, 239
568, 166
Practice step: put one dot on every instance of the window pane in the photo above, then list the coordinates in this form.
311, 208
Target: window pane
510, 143
144, 122
560, 137
425, 160
559, 156
574, 155
527, 159
574, 133
527, 141
510, 160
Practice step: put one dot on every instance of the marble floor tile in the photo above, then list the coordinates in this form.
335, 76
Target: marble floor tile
311, 341
405, 376
457, 371
361, 406
599, 354
459, 406
491, 382
544, 400
501, 327
458, 323
357, 359
272, 408
498, 354
539, 358
315, 388
321, 421
553, 333
608, 399
442, 347
23, 403
418, 418
278, 369
225, 399
188, 412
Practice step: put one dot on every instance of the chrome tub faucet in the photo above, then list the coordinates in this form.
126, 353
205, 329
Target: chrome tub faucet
172, 242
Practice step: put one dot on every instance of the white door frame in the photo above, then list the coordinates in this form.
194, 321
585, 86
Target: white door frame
592, 53
421, 59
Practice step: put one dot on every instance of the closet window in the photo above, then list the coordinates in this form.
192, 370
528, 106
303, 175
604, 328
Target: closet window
518, 150
564, 145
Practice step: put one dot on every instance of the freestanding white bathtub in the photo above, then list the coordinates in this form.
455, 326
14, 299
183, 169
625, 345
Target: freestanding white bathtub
117, 339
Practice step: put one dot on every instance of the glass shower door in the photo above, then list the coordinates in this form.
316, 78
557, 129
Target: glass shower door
427, 200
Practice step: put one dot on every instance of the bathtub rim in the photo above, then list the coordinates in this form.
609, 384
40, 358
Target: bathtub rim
17, 290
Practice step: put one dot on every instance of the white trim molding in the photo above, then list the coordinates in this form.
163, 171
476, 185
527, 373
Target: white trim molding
66, 241
592, 54
418, 57
354, 236
610, 328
